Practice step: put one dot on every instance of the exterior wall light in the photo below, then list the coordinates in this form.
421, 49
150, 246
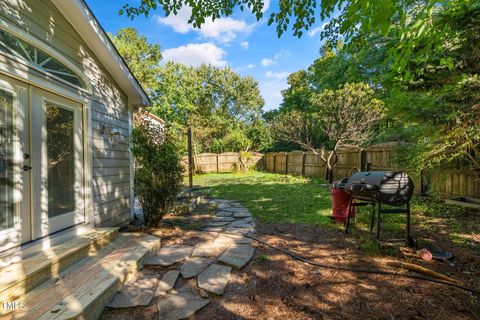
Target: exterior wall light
114, 136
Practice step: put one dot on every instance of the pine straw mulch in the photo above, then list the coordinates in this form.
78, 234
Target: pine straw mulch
275, 286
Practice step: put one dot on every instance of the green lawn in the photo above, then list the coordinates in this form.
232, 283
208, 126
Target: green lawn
273, 197
281, 198
289, 199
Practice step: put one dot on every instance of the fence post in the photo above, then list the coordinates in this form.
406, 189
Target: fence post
363, 160
190, 158
303, 163
274, 162
286, 162
217, 162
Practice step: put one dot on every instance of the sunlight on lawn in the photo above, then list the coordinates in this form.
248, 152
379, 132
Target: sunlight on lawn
289, 199
273, 197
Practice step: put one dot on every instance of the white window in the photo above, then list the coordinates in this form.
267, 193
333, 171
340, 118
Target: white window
21, 49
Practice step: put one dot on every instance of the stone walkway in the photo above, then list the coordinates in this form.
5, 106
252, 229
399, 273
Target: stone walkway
209, 263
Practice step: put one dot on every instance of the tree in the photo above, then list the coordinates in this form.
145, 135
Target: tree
141, 57
334, 68
299, 16
216, 102
298, 93
347, 117
363, 16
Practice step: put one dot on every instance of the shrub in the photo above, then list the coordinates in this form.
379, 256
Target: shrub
158, 168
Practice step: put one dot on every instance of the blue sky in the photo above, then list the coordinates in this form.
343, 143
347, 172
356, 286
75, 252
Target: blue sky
240, 42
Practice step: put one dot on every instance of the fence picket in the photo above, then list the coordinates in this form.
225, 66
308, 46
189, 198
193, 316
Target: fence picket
445, 182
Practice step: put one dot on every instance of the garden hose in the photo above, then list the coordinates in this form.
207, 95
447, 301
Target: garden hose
336, 267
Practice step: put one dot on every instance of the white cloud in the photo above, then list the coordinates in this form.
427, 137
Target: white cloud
223, 30
277, 75
266, 5
245, 45
250, 66
178, 22
316, 30
267, 62
195, 54
281, 55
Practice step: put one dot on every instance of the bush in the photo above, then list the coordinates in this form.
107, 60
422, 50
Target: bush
158, 169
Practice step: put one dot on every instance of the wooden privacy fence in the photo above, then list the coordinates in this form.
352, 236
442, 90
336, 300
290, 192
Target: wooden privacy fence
447, 182
224, 162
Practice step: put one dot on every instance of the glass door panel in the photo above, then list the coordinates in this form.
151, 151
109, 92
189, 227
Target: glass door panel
60, 159
59, 181
14, 182
7, 174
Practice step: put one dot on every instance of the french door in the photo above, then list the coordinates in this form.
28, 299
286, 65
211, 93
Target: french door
42, 175
15, 222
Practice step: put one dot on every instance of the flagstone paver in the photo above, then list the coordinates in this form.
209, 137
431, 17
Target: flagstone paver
237, 255
169, 255
241, 214
217, 223
137, 292
180, 305
209, 249
194, 266
210, 261
224, 219
167, 282
228, 239
215, 278
224, 213
241, 230
242, 223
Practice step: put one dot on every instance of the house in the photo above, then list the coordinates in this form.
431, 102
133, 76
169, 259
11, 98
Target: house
66, 105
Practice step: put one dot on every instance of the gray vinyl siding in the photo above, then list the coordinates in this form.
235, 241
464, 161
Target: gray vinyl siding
109, 106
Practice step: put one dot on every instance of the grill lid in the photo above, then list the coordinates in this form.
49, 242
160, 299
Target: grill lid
389, 187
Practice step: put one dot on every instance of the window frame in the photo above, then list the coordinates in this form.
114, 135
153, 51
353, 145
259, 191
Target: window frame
49, 51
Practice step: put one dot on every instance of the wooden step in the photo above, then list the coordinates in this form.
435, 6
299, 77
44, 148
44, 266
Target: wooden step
83, 290
36, 265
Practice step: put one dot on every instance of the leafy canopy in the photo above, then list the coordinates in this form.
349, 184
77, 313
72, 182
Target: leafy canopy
141, 57
223, 108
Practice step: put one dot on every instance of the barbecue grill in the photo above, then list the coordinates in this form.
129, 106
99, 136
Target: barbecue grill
377, 188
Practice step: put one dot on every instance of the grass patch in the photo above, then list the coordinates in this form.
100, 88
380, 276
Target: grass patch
273, 197
290, 199
370, 246
262, 257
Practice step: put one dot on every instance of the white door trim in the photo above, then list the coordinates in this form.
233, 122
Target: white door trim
42, 224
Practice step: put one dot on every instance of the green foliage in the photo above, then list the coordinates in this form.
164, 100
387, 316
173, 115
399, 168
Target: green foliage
141, 57
223, 108
333, 69
428, 80
158, 170
344, 117
370, 246
356, 17
348, 116
297, 95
